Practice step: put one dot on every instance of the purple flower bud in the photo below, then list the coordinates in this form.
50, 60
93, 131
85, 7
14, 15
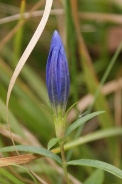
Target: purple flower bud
57, 75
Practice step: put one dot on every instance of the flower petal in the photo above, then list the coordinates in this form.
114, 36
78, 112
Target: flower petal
57, 74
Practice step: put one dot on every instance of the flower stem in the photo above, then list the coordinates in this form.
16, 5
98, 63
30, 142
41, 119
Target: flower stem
60, 131
64, 161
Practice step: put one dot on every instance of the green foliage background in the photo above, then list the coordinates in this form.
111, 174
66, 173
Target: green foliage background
99, 24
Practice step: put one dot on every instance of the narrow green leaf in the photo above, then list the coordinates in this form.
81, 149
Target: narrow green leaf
97, 164
33, 149
10, 176
81, 121
94, 177
52, 142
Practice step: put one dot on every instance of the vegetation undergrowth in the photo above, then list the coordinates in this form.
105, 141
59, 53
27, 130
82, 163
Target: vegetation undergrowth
80, 145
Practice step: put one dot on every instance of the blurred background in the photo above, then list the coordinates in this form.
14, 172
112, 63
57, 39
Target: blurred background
91, 31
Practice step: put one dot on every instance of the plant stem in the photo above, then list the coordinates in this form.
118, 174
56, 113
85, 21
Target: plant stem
64, 161
59, 122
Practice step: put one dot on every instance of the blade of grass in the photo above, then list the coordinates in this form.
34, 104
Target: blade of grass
10, 176
98, 164
71, 48
19, 34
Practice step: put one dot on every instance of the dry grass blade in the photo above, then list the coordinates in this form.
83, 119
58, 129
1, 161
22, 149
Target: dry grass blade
21, 159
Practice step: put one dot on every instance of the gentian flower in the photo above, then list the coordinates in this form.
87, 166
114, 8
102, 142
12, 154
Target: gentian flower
57, 75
